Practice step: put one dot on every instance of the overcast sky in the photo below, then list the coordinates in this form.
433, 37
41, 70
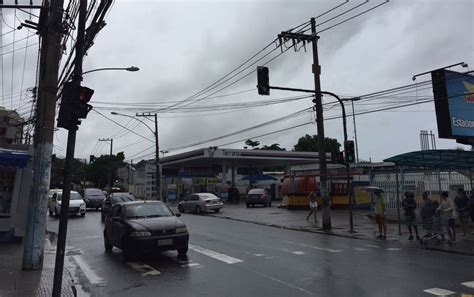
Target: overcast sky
182, 47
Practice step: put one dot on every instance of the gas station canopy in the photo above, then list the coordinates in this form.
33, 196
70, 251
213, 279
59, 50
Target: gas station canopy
436, 159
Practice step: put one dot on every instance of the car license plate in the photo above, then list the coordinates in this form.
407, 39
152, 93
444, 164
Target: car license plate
162, 242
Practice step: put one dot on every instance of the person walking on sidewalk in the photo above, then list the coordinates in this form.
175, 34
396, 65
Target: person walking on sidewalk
426, 213
409, 206
462, 207
313, 206
448, 213
379, 210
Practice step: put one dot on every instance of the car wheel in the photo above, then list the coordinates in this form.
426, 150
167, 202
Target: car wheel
248, 205
56, 212
269, 204
50, 211
180, 208
83, 214
107, 245
217, 210
183, 251
198, 210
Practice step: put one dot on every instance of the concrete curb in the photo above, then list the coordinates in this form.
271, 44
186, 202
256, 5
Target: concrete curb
331, 233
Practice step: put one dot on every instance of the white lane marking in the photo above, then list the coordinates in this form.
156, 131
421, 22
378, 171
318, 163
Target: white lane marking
87, 237
258, 255
87, 270
269, 258
143, 268
191, 265
372, 246
284, 283
360, 249
215, 255
393, 249
468, 284
314, 247
439, 292
298, 252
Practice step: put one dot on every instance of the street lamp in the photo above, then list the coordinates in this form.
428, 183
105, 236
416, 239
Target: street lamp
462, 64
131, 68
157, 156
163, 153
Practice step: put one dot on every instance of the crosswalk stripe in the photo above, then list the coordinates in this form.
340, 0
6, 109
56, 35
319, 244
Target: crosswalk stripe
360, 249
372, 246
314, 247
439, 292
215, 255
143, 268
468, 284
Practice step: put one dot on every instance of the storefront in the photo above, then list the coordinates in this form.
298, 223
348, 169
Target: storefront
15, 183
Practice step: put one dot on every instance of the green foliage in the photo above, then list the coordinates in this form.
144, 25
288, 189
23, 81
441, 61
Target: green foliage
252, 144
309, 143
273, 147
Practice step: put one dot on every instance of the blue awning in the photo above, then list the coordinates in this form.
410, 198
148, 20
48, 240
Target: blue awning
13, 159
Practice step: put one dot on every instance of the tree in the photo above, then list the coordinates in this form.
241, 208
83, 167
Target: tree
273, 147
309, 143
98, 171
252, 144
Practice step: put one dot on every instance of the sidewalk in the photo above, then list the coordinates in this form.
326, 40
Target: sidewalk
16, 282
364, 226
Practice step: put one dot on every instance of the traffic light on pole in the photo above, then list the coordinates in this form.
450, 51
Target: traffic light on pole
74, 105
263, 81
349, 151
91, 159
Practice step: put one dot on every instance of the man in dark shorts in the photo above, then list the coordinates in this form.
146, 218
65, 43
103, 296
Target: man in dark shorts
409, 206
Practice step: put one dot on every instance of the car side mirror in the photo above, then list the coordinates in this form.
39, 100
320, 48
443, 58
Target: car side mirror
117, 219
177, 214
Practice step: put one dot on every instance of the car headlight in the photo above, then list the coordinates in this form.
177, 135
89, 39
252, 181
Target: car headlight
181, 230
140, 234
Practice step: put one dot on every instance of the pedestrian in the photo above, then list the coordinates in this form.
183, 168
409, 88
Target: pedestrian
448, 214
379, 210
462, 207
409, 206
426, 213
471, 203
313, 206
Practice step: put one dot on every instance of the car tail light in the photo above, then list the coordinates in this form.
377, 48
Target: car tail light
207, 201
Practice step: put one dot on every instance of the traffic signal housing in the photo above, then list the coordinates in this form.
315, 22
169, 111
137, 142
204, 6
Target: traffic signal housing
91, 159
340, 158
349, 151
74, 105
263, 81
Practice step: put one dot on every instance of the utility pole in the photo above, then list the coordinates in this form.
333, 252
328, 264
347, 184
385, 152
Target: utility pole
51, 51
110, 173
71, 142
326, 203
355, 132
157, 154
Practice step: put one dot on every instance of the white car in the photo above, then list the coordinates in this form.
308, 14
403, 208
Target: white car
76, 204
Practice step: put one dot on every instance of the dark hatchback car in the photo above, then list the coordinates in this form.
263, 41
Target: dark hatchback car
93, 198
113, 199
143, 227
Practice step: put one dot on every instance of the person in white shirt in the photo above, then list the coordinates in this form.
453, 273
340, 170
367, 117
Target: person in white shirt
448, 213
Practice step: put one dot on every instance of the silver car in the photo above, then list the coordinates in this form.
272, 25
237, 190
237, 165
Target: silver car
200, 202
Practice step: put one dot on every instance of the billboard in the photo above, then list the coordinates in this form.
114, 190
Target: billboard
454, 103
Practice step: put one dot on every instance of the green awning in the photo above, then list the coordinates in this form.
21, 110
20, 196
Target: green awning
436, 159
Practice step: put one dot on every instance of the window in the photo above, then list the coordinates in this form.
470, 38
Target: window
194, 198
116, 211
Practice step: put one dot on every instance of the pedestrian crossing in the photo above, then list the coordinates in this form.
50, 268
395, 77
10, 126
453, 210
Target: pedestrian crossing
448, 292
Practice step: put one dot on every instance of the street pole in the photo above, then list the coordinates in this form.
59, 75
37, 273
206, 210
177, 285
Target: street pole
68, 168
157, 154
109, 170
326, 204
43, 140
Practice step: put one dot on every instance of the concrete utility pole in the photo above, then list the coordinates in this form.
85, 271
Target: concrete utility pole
43, 140
326, 203
111, 149
71, 142
157, 154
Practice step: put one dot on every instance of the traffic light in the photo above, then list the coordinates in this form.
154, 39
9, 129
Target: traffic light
349, 151
340, 158
91, 159
263, 82
74, 105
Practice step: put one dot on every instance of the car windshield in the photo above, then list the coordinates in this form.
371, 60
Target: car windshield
93, 192
208, 196
147, 210
74, 196
122, 197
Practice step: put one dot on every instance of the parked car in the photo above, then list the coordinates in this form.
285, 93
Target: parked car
50, 198
258, 196
144, 227
76, 204
113, 199
200, 202
93, 198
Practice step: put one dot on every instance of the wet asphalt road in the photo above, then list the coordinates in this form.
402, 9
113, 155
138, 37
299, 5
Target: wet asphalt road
231, 258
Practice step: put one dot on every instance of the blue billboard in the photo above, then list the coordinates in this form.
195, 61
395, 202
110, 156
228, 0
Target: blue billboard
454, 103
